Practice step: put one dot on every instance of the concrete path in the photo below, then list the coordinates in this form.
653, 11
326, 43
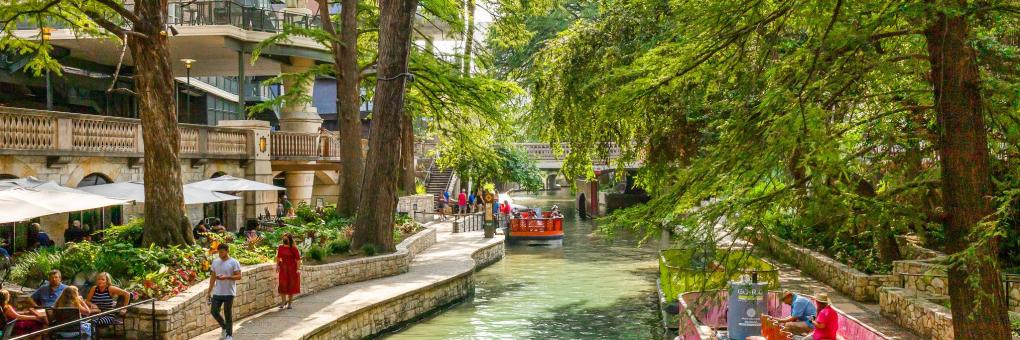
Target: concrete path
449, 257
792, 279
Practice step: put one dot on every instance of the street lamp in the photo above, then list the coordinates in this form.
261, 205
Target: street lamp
187, 65
44, 33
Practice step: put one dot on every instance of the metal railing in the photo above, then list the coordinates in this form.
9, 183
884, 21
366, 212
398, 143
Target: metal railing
151, 302
236, 14
468, 222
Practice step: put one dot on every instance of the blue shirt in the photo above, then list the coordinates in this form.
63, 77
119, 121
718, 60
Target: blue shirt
4, 252
45, 298
471, 198
803, 309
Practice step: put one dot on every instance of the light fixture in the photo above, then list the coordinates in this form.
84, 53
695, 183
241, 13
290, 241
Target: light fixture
173, 30
188, 62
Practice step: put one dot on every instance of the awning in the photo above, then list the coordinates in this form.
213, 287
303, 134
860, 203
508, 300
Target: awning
228, 183
135, 191
19, 204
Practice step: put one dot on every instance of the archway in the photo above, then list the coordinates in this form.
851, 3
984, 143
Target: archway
96, 219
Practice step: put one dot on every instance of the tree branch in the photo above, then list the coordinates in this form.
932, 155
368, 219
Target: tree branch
123, 11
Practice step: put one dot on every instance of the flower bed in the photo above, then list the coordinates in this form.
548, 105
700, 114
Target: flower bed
164, 272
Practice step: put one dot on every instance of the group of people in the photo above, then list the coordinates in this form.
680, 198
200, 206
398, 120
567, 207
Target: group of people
226, 271
101, 297
813, 321
466, 203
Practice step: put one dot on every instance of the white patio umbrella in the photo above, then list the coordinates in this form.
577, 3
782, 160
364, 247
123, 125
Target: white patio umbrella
229, 183
15, 207
20, 204
135, 191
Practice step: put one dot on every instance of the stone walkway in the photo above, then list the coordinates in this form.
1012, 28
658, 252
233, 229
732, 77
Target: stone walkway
449, 257
792, 279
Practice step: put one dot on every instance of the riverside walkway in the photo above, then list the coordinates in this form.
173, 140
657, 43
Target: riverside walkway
791, 278
440, 275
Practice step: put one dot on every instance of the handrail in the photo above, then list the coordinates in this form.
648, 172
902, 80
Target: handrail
151, 301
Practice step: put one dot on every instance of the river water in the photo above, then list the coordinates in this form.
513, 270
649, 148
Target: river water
587, 289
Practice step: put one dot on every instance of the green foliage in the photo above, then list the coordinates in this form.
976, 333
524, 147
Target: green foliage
340, 246
369, 249
316, 252
130, 233
498, 164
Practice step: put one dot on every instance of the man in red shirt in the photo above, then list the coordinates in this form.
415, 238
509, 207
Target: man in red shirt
827, 322
462, 202
504, 210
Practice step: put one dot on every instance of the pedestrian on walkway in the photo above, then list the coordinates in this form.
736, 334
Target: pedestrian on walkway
504, 212
288, 268
471, 202
222, 289
462, 202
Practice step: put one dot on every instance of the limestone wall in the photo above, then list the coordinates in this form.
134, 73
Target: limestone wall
378, 318
911, 251
424, 203
916, 312
187, 314
852, 282
922, 276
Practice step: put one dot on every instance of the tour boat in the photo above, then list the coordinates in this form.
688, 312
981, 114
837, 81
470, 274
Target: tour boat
533, 230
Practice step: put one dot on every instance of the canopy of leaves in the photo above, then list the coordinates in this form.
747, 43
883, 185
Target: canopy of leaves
809, 119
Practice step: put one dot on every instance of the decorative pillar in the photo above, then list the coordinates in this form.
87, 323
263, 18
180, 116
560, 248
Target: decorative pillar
259, 169
303, 118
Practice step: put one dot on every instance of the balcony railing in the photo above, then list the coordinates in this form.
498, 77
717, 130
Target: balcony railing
25, 131
305, 146
221, 12
232, 13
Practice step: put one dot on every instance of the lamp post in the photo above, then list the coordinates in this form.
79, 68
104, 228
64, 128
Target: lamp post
45, 34
187, 65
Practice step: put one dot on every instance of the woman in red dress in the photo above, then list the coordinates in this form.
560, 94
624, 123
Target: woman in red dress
288, 264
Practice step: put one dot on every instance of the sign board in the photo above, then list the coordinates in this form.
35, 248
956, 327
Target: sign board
746, 304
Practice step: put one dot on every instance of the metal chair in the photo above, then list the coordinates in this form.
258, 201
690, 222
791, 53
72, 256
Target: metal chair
64, 315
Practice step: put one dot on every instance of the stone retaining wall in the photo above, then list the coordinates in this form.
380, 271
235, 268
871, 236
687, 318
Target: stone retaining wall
424, 203
911, 251
916, 312
187, 315
852, 282
375, 319
922, 276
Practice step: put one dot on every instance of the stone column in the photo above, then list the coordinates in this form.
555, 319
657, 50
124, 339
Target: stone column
259, 169
299, 117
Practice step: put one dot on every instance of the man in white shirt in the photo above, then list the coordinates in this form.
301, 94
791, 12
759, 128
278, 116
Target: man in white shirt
225, 271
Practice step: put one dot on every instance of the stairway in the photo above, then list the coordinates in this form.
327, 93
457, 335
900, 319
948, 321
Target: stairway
438, 181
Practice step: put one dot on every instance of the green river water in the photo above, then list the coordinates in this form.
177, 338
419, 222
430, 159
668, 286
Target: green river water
586, 289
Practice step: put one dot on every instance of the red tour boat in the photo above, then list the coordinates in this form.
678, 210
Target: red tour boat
530, 229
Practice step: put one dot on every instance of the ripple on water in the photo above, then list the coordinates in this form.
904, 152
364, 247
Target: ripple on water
588, 289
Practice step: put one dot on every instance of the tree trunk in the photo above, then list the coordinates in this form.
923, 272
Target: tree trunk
469, 37
978, 306
884, 236
348, 98
166, 220
374, 224
407, 174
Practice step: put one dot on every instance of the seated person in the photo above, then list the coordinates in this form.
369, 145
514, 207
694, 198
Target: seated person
74, 233
199, 229
827, 323
3, 250
103, 297
217, 226
802, 311
48, 294
70, 298
25, 322
44, 239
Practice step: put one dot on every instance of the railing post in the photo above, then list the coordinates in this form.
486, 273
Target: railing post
455, 225
203, 142
63, 134
155, 328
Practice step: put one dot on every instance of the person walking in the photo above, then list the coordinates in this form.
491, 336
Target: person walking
462, 202
225, 271
288, 268
471, 202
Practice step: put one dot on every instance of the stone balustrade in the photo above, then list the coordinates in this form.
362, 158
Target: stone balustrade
187, 315
49, 133
300, 146
544, 151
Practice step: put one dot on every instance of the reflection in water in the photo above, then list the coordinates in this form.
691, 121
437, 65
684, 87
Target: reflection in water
586, 289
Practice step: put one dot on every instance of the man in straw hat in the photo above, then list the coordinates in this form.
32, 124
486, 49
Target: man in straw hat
802, 312
827, 323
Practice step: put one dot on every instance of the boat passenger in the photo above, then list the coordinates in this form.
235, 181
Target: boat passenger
802, 311
827, 323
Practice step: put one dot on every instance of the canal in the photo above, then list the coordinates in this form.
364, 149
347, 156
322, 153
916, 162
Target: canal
587, 289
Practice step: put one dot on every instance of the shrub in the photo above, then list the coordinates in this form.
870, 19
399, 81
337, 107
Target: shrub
369, 249
130, 233
316, 252
340, 246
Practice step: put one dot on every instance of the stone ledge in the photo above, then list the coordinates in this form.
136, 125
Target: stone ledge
852, 282
186, 315
916, 312
912, 251
395, 310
